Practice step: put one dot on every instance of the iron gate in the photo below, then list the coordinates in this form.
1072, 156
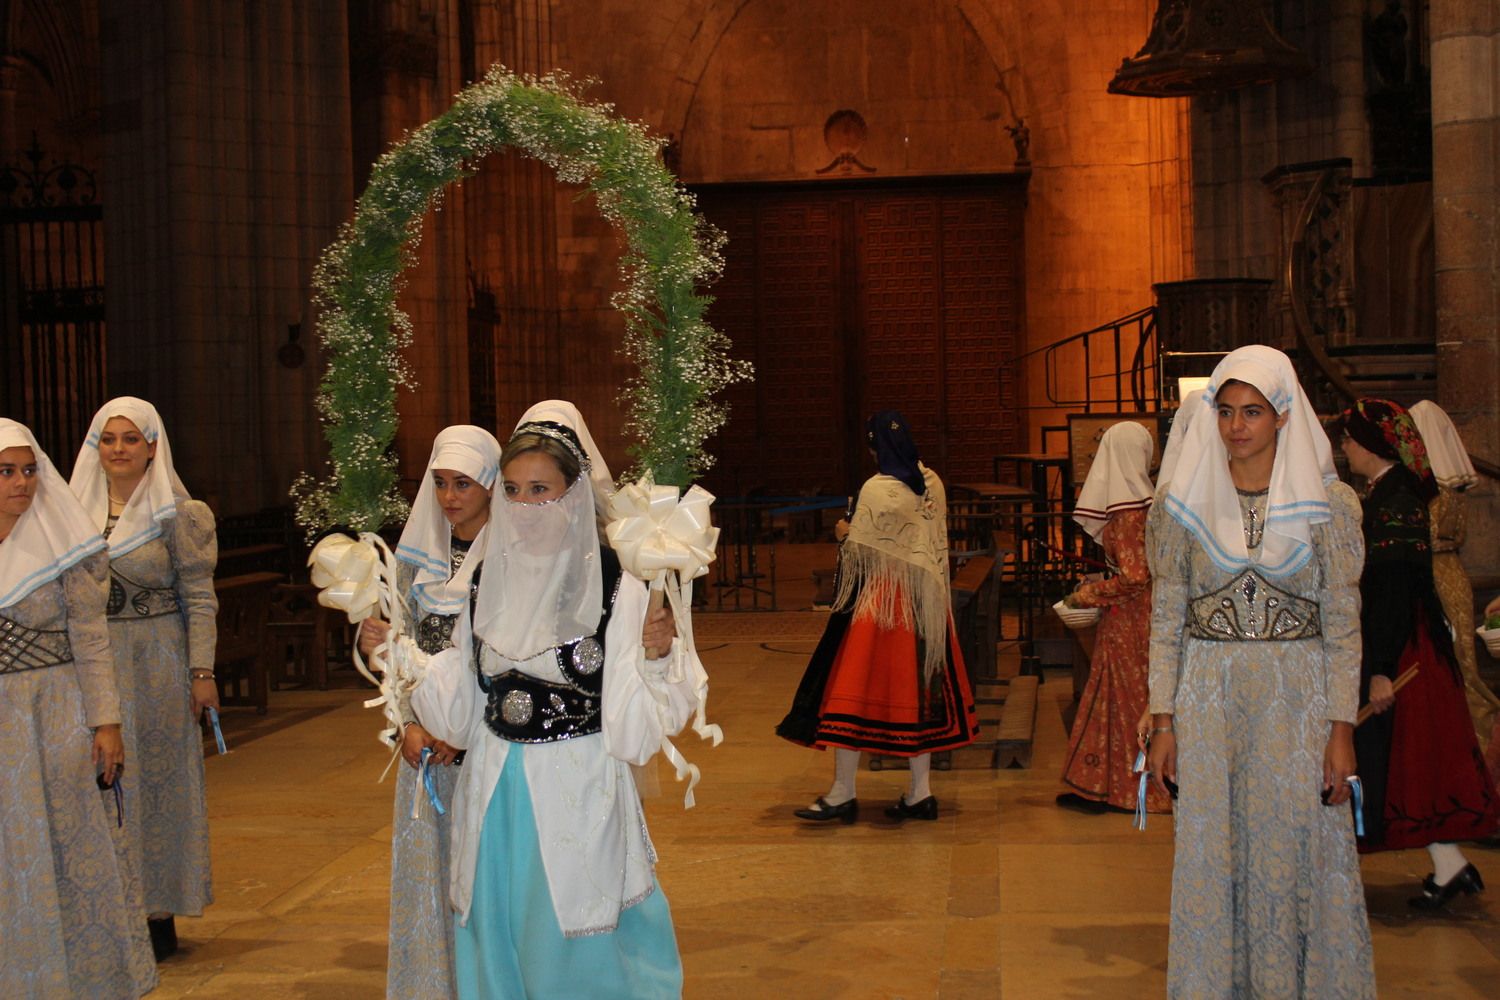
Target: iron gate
52, 283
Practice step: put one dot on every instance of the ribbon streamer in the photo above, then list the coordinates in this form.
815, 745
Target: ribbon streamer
1357, 787
358, 577
427, 783
213, 717
1140, 794
669, 542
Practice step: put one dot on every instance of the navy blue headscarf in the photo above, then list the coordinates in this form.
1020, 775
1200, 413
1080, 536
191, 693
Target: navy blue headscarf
895, 451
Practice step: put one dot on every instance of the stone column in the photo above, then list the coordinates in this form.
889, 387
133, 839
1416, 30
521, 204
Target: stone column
226, 172
1466, 216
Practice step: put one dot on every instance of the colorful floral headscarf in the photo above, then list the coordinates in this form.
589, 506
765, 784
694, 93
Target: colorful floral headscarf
1386, 429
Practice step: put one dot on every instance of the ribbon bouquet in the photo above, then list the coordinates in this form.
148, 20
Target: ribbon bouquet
661, 538
668, 542
358, 577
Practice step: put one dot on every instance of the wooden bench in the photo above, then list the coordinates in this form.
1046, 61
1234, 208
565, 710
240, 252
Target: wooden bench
300, 630
1017, 723
240, 651
267, 558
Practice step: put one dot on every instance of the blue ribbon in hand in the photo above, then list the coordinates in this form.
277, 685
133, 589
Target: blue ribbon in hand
432, 795
213, 717
1357, 787
1140, 794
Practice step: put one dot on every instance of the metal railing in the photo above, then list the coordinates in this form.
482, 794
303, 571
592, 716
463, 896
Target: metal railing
1118, 360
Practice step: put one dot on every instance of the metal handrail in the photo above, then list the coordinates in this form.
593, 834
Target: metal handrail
1135, 374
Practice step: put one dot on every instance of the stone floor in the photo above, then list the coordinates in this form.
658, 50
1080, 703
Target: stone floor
1004, 896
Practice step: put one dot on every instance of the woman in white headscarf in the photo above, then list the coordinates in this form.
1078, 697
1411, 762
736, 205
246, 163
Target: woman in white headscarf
1255, 552
1455, 475
69, 922
162, 630
1112, 507
553, 872
439, 554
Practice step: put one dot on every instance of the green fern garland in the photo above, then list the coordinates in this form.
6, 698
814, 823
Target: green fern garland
670, 255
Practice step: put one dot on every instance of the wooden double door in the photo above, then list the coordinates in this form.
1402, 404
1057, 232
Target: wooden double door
856, 297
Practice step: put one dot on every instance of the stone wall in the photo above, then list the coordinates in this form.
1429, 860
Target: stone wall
746, 88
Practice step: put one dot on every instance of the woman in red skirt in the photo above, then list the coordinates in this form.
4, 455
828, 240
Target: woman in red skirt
887, 676
1425, 782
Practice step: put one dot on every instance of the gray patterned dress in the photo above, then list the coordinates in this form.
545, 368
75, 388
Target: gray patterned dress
1266, 893
419, 965
162, 611
70, 926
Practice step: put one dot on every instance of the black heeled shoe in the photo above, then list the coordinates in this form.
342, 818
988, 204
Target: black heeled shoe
925, 809
822, 812
1435, 897
163, 936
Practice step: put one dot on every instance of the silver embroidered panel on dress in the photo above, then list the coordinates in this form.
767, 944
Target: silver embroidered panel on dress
588, 656
516, 707
435, 633
1249, 608
23, 648
128, 599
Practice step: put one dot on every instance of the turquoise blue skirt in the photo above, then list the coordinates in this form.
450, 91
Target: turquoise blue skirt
512, 948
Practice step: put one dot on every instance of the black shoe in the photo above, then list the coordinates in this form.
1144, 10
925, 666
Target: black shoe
1071, 800
925, 809
163, 936
821, 812
1435, 897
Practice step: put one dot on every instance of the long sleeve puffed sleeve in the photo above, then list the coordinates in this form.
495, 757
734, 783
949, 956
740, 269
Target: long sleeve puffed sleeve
643, 703
194, 546
447, 700
1125, 545
86, 593
1168, 548
1340, 545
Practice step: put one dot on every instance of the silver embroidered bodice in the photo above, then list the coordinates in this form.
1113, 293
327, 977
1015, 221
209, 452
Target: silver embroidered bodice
1249, 607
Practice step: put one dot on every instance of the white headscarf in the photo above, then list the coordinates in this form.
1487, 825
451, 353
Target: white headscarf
1193, 407
154, 500
1200, 493
1119, 479
541, 583
1445, 449
53, 535
426, 540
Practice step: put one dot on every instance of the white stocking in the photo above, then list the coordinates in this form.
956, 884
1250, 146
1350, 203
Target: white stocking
1447, 861
921, 770
845, 768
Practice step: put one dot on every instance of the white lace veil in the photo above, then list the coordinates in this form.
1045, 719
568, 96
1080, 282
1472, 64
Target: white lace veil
540, 585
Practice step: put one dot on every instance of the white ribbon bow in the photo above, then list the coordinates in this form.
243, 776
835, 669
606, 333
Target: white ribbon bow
348, 571
670, 542
655, 534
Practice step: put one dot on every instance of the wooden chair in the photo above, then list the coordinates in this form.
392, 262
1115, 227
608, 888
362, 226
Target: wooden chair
299, 631
240, 653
